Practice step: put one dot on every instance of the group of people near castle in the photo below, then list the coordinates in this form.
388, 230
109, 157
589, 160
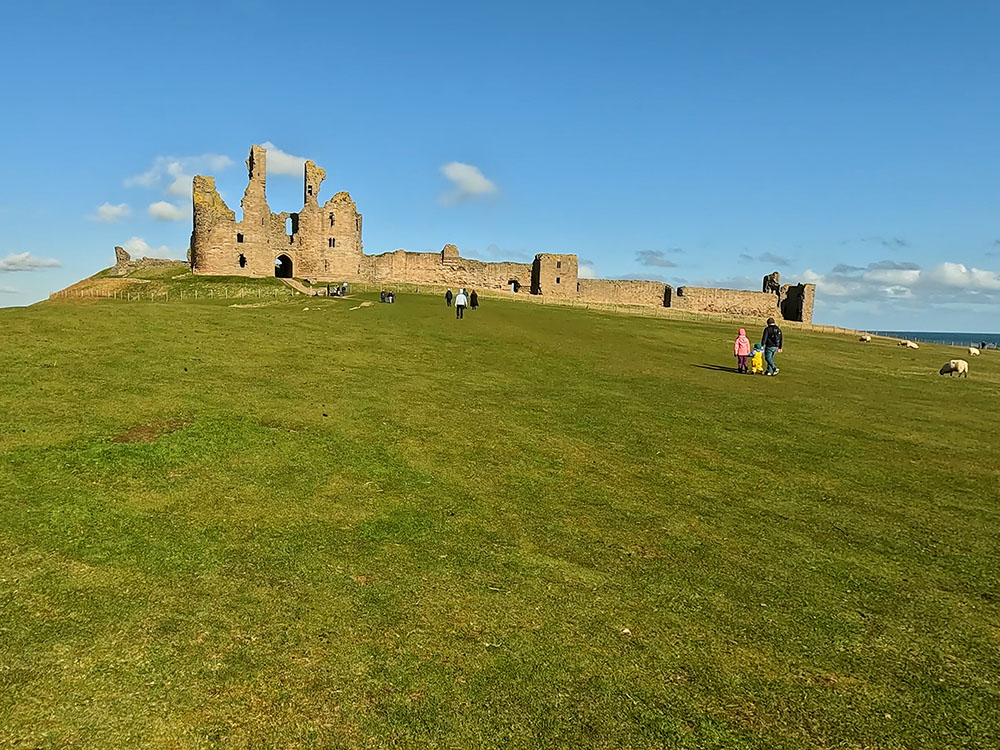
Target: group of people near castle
462, 300
752, 359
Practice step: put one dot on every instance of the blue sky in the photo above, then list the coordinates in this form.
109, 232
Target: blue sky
854, 144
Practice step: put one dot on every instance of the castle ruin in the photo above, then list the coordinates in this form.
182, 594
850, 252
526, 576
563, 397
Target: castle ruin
323, 244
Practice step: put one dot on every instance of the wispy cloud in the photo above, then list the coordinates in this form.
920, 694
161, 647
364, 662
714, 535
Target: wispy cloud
26, 262
177, 172
655, 258
282, 162
137, 247
773, 259
164, 211
467, 182
769, 258
890, 243
586, 270
109, 213
8, 290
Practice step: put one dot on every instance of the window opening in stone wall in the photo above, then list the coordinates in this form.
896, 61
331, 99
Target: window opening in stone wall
332, 242
558, 264
310, 190
331, 218
288, 225
578, 286
243, 261
515, 285
239, 237
357, 223
557, 279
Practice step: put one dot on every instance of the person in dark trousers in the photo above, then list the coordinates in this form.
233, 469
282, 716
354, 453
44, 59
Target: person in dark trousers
473, 300
771, 341
381, 296
447, 297
460, 302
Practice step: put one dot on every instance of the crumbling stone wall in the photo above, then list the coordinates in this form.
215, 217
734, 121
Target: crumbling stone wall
323, 243
726, 301
124, 265
446, 268
651, 293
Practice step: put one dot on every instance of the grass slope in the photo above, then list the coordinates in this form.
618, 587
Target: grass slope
383, 527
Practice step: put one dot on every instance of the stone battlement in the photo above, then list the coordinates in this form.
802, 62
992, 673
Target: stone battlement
323, 243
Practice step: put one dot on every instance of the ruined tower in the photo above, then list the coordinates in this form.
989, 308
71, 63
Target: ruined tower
321, 243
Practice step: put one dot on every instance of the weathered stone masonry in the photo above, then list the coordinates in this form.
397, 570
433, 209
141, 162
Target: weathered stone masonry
323, 243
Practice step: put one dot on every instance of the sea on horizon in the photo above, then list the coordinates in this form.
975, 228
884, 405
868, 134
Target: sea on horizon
946, 337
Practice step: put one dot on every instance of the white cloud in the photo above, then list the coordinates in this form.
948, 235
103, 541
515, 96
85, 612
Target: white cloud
163, 211
467, 182
7, 290
586, 271
178, 171
281, 162
137, 247
108, 213
889, 280
26, 262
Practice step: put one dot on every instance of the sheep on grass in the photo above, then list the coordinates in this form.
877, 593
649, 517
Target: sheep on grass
973, 351
957, 366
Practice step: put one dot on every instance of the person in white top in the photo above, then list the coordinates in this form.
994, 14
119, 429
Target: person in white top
461, 300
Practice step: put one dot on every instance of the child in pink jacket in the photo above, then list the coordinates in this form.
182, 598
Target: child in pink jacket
742, 350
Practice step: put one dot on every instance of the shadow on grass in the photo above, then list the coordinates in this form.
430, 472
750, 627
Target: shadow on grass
720, 368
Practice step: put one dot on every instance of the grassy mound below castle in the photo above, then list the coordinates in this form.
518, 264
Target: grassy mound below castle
262, 525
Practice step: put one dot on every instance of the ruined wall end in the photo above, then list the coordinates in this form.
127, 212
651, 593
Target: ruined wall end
210, 214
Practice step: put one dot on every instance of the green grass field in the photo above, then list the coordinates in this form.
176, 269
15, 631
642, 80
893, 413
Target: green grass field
537, 527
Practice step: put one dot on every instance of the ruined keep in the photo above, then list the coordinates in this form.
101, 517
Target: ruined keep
323, 244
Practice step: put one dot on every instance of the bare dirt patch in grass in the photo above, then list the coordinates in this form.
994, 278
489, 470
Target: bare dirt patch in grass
147, 433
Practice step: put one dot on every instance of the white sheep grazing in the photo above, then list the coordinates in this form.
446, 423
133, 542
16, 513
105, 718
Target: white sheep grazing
959, 366
866, 338
973, 351
912, 345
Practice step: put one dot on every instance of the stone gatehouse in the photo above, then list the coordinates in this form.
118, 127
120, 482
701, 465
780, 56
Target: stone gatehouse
323, 243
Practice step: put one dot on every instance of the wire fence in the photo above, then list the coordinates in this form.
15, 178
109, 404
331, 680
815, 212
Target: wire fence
177, 295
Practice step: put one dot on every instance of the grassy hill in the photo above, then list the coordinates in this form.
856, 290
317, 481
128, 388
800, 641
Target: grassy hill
537, 527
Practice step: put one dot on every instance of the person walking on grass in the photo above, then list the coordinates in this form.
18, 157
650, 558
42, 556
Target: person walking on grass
741, 348
447, 297
771, 341
460, 302
473, 300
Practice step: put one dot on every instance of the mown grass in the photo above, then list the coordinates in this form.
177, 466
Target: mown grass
537, 527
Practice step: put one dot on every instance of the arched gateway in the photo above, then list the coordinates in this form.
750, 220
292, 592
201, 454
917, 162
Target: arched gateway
283, 267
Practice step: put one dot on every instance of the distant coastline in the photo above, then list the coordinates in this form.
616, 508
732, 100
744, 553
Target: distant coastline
945, 337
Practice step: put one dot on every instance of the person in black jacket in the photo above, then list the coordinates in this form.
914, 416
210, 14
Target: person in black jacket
473, 300
771, 341
447, 297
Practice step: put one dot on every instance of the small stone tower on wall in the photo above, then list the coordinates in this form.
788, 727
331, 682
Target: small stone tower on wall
554, 275
317, 242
